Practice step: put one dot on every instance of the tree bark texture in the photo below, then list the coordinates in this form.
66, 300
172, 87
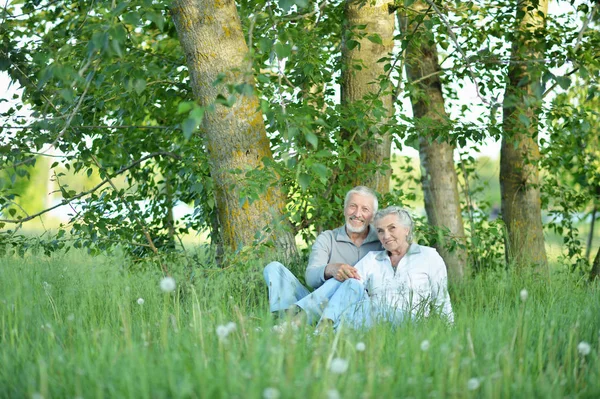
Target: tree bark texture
210, 33
439, 177
361, 74
595, 272
519, 154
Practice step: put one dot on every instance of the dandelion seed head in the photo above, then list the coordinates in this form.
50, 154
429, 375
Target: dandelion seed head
222, 332
333, 394
360, 346
473, 384
167, 284
523, 294
338, 365
584, 348
140, 301
425, 345
271, 393
230, 326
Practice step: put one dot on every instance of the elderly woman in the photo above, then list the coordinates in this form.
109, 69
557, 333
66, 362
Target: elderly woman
404, 280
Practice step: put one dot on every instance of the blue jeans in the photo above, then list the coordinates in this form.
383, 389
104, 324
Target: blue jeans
332, 300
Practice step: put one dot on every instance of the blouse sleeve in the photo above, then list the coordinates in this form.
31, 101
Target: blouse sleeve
439, 288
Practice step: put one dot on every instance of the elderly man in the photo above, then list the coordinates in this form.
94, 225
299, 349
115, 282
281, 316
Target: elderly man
332, 259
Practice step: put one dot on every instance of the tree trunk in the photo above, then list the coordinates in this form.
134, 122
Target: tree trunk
439, 177
590, 240
519, 175
211, 36
361, 74
595, 273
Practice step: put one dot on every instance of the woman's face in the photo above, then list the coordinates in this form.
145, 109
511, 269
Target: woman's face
391, 233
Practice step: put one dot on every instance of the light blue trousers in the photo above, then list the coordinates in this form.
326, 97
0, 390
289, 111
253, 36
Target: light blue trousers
330, 301
338, 301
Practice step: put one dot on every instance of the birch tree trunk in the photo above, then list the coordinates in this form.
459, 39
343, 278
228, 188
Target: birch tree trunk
361, 74
210, 33
439, 178
519, 175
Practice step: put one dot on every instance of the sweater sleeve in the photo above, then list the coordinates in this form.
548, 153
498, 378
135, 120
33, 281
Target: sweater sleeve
318, 260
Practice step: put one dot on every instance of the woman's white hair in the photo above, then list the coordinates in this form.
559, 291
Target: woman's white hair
403, 217
362, 190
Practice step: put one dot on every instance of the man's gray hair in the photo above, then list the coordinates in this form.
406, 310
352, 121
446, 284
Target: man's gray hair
362, 190
403, 217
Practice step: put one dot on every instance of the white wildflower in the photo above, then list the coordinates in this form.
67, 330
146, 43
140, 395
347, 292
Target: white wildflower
338, 365
333, 394
284, 327
167, 284
473, 384
361, 347
523, 294
584, 348
222, 332
140, 301
271, 393
71, 317
230, 327
425, 345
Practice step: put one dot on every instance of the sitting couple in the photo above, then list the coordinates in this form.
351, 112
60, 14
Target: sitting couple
364, 274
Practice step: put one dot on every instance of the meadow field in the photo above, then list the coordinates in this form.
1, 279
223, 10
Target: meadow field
73, 326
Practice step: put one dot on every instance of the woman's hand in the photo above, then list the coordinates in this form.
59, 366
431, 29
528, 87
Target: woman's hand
341, 272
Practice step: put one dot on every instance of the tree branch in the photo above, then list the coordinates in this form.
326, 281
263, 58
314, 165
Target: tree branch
66, 201
135, 217
460, 49
90, 127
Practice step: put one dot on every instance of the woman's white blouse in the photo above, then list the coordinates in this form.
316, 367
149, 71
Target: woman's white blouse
419, 285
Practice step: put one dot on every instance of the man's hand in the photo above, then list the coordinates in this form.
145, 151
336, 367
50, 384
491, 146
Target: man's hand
341, 272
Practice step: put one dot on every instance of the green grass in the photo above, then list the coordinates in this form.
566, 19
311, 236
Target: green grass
70, 326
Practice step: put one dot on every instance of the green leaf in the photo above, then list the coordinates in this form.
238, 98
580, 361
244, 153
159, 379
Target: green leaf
321, 170
119, 8
564, 82
283, 50
524, 120
158, 19
188, 127
285, 5
67, 94
351, 44
312, 139
139, 85
116, 47
100, 40
304, 180
197, 113
375, 38
132, 18
185, 106
265, 44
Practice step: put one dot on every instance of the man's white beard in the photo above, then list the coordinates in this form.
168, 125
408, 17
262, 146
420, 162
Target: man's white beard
352, 229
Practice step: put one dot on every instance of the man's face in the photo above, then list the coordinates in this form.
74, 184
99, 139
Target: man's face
358, 212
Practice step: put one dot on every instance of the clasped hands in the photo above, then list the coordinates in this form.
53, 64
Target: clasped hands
341, 272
